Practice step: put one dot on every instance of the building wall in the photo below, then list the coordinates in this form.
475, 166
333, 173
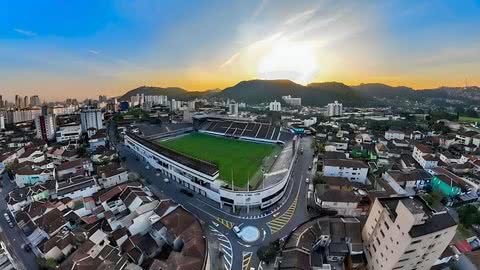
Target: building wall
68, 133
86, 192
388, 244
114, 180
353, 174
91, 118
30, 180
342, 208
394, 135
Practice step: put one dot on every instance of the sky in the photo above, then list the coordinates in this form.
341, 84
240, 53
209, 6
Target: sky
64, 49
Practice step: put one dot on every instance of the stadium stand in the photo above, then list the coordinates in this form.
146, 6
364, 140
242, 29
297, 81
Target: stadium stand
246, 130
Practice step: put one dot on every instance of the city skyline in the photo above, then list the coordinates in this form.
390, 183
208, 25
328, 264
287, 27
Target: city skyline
111, 47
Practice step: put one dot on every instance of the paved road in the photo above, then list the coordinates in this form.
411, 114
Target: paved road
13, 237
235, 253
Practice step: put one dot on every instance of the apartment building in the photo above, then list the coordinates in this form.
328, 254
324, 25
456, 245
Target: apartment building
405, 233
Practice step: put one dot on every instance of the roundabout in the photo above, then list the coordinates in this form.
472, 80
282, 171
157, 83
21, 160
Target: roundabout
249, 234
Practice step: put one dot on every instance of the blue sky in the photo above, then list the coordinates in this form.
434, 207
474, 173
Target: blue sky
84, 48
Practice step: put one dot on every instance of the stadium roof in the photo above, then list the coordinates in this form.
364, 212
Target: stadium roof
196, 164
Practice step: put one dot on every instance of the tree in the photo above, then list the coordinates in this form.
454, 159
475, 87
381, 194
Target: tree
46, 264
434, 198
318, 179
469, 215
269, 253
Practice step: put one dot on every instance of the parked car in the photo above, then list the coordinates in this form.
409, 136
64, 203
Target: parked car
307, 180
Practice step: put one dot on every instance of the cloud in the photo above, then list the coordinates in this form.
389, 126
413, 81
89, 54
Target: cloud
25, 32
94, 52
307, 14
230, 60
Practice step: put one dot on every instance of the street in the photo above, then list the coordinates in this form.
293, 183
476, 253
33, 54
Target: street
276, 224
13, 237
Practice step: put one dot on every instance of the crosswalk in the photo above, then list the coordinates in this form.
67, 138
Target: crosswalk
225, 247
246, 260
278, 223
228, 224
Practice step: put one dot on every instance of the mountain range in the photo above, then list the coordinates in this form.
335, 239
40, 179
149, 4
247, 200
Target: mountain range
315, 94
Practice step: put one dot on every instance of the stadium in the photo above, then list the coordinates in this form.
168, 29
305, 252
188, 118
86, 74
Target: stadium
235, 163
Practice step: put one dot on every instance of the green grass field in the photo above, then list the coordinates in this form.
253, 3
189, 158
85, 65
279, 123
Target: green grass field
242, 158
468, 119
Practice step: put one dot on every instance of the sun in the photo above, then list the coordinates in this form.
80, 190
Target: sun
294, 61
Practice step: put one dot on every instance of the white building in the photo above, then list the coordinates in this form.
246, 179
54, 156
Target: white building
91, 120
310, 121
23, 115
394, 135
344, 202
28, 177
424, 155
2, 122
354, 170
233, 109
45, 126
275, 106
76, 187
68, 133
334, 109
293, 101
405, 233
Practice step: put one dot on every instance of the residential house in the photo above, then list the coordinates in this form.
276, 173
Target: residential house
394, 135
59, 246
344, 202
111, 175
77, 187
32, 154
26, 176
354, 170
98, 139
68, 169
20, 197
411, 181
424, 155
103, 155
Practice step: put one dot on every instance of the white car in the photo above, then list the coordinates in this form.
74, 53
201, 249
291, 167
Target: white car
166, 180
307, 180
236, 230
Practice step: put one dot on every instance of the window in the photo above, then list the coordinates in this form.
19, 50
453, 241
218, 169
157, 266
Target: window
437, 236
416, 241
378, 241
398, 226
402, 260
386, 225
399, 267
409, 251
374, 248
381, 232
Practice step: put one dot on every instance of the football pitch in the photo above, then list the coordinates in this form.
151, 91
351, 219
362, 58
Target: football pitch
233, 157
